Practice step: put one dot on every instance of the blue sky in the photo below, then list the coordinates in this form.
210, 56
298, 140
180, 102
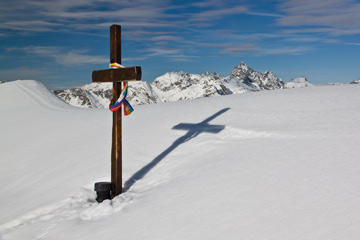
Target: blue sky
60, 42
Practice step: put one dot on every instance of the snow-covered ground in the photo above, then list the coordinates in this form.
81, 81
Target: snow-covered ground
282, 164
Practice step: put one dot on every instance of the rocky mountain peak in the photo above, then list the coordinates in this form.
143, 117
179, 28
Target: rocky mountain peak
241, 71
243, 67
254, 79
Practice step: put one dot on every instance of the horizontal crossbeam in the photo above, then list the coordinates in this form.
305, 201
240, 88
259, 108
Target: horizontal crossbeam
117, 75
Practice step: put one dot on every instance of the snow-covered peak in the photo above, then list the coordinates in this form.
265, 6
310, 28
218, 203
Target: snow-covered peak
241, 71
260, 81
298, 82
356, 81
243, 68
171, 78
181, 79
174, 86
270, 75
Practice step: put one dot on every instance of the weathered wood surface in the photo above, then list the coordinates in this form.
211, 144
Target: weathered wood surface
116, 147
115, 44
117, 75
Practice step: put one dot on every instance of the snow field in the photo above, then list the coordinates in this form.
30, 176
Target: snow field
285, 165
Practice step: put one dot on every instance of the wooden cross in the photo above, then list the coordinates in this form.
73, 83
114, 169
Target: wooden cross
116, 76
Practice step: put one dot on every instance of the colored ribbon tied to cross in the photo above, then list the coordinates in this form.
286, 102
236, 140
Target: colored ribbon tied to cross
115, 106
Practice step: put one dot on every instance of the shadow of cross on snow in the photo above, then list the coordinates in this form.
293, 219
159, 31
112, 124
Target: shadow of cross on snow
193, 130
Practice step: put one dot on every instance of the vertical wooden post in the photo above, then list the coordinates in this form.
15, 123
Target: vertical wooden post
116, 148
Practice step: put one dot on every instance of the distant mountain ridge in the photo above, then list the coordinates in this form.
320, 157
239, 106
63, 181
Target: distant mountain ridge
356, 81
177, 86
298, 82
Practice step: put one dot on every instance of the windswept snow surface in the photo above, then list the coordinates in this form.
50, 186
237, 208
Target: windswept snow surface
281, 164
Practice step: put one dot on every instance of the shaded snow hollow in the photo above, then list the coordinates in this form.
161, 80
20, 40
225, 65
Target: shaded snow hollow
262, 165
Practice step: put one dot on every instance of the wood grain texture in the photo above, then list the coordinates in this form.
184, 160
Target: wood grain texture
117, 75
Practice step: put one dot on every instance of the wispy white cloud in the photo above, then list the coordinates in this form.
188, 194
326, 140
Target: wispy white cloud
227, 8
252, 49
332, 41
231, 48
144, 20
332, 31
92, 14
336, 16
78, 58
210, 15
264, 14
174, 54
32, 25
239, 49
355, 44
299, 50
131, 26
70, 58
302, 39
38, 50
307, 30
163, 52
337, 41
124, 60
209, 3
250, 37
123, 13
166, 38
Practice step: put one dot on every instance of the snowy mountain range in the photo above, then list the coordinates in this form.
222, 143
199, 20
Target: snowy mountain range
176, 86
